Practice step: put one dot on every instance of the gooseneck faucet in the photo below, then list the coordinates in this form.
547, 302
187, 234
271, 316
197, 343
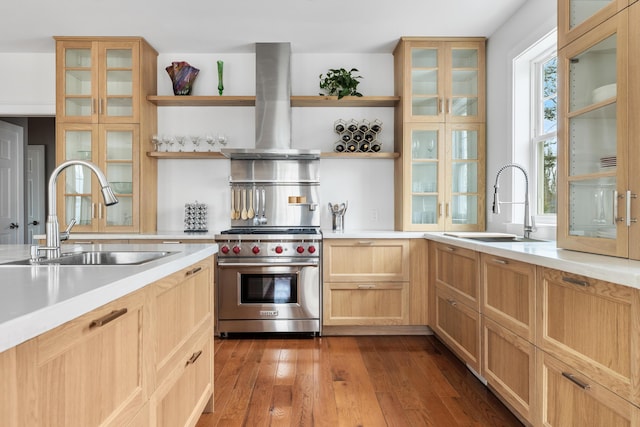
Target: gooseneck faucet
54, 236
529, 222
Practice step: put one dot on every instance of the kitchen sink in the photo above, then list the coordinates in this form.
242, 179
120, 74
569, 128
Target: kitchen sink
504, 239
98, 258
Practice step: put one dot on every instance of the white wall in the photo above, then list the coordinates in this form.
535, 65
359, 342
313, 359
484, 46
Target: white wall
531, 22
28, 84
366, 184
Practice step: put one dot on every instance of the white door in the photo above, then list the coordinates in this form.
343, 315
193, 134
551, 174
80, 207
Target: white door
11, 183
35, 191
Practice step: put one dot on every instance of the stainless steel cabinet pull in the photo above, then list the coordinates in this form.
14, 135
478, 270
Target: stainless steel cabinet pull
194, 357
83, 242
576, 381
174, 242
440, 209
194, 271
575, 281
440, 101
100, 106
370, 286
616, 196
450, 249
107, 318
365, 242
446, 209
500, 261
93, 106
628, 209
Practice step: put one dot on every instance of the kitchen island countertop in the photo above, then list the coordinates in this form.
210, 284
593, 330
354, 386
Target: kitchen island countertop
36, 299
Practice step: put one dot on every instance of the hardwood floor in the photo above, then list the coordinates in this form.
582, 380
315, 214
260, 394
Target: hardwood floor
347, 381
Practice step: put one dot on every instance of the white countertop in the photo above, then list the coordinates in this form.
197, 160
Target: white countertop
372, 234
160, 234
36, 299
546, 254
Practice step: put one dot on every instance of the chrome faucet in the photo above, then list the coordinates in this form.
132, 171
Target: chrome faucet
529, 222
52, 248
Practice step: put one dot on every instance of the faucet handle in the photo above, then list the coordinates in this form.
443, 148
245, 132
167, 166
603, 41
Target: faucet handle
65, 234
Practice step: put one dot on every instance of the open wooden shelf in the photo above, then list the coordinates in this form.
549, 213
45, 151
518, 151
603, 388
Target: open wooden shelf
250, 101
218, 155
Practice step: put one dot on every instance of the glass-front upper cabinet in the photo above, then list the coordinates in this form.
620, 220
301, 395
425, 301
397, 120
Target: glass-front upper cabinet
113, 149
576, 17
593, 157
445, 81
446, 176
99, 82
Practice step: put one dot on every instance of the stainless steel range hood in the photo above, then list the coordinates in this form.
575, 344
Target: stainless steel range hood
273, 107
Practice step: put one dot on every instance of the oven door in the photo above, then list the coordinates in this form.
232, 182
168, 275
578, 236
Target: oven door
266, 291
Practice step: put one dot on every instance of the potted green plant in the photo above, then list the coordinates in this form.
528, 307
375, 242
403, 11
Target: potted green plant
340, 82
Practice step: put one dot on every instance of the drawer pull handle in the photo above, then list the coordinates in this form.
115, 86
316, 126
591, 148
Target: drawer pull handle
107, 318
452, 302
194, 271
500, 261
194, 357
173, 242
576, 381
450, 249
573, 281
365, 242
370, 286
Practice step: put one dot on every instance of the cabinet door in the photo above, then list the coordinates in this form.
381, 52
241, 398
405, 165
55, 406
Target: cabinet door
424, 76
353, 260
465, 76
89, 371
569, 399
119, 77
592, 325
458, 269
634, 129
77, 82
593, 160
182, 308
576, 17
8, 389
508, 294
465, 188
458, 326
366, 304
509, 366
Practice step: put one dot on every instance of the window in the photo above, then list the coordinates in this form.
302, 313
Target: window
535, 127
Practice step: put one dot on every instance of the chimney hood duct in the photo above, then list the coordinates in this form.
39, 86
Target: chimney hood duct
273, 107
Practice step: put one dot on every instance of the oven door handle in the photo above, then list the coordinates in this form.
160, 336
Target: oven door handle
266, 264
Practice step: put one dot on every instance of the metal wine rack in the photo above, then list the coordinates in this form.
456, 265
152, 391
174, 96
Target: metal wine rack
357, 136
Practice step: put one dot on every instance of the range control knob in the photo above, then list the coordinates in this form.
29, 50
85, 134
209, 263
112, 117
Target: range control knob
279, 249
300, 249
256, 249
224, 249
236, 250
311, 249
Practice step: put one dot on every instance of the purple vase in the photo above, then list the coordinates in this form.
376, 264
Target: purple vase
182, 75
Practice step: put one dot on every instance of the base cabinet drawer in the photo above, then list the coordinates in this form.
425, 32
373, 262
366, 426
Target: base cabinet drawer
508, 364
570, 399
458, 325
375, 303
459, 270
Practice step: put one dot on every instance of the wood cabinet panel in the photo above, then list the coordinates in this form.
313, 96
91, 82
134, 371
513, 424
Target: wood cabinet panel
419, 282
571, 399
366, 304
508, 294
508, 364
361, 260
88, 371
458, 326
458, 269
8, 388
593, 326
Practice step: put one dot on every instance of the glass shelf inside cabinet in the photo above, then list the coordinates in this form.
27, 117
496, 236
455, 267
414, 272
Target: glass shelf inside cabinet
592, 208
593, 75
424, 209
581, 10
77, 82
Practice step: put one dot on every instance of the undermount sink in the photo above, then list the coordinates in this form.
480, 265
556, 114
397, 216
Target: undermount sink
490, 237
98, 258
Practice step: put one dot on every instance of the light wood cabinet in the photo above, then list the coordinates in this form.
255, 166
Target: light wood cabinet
458, 325
89, 371
8, 388
440, 134
366, 282
568, 398
592, 325
458, 269
576, 17
508, 364
102, 116
598, 155
508, 294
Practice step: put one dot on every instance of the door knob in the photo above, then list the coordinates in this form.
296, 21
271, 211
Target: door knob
34, 222
13, 225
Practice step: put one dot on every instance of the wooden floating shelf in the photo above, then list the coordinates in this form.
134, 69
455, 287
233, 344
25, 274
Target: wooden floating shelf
218, 155
250, 101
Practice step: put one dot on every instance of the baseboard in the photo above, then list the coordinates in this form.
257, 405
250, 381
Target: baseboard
376, 330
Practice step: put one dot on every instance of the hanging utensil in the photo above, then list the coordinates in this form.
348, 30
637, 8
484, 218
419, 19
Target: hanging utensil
233, 204
251, 213
238, 194
243, 214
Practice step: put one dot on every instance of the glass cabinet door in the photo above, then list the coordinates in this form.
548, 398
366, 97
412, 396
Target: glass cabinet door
426, 174
426, 82
78, 79
119, 80
576, 17
595, 148
463, 98
465, 157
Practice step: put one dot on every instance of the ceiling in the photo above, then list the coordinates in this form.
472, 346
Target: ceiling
233, 26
